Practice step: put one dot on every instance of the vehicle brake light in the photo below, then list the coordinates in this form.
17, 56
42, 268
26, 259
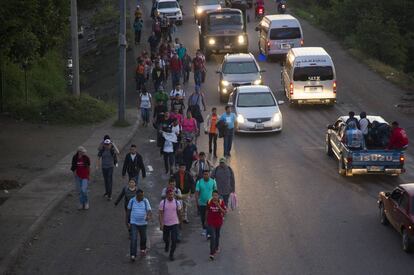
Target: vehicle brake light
302, 42
291, 88
260, 10
334, 87
349, 160
268, 45
402, 159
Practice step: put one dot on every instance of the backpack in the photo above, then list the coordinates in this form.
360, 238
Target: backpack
138, 26
140, 69
198, 63
145, 200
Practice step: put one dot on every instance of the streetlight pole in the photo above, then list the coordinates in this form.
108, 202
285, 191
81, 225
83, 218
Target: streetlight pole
122, 61
75, 47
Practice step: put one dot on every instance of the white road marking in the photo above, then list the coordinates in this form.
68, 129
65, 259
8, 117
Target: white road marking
152, 140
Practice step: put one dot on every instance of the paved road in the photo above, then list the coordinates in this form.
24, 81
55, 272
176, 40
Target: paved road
296, 214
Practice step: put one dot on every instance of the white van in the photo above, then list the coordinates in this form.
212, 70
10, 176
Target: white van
278, 34
308, 76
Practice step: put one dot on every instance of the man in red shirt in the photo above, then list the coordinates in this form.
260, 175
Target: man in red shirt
80, 168
215, 211
398, 139
176, 67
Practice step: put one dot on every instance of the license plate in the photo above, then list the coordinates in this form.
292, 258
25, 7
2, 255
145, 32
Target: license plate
227, 46
259, 126
375, 168
286, 46
313, 89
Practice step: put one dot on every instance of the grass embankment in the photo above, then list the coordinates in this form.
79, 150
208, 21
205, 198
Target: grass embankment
48, 99
357, 43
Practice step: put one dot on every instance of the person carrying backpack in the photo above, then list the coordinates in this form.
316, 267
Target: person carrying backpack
107, 159
139, 213
198, 68
169, 218
144, 103
215, 211
224, 176
140, 75
81, 170
138, 24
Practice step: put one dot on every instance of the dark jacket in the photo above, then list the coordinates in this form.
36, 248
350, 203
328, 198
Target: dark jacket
189, 184
224, 177
75, 160
155, 76
127, 194
133, 167
222, 128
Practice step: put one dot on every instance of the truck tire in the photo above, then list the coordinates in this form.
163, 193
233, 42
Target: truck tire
341, 167
382, 216
328, 146
406, 242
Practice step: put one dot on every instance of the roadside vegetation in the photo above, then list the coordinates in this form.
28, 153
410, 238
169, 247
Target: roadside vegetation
379, 33
33, 65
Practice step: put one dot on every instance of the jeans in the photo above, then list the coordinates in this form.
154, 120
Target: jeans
225, 198
170, 232
175, 78
212, 140
157, 85
142, 229
186, 75
202, 212
137, 36
228, 141
214, 239
169, 160
82, 188
145, 114
197, 77
140, 81
107, 175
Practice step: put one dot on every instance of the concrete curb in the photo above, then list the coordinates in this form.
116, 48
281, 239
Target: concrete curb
13, 255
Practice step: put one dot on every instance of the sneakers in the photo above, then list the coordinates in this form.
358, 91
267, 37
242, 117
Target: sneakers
211, 257
132, 258
86, 207
143, 253
204, 232
109, 198
208, 237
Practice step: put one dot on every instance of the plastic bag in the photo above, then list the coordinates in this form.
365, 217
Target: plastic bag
233, 201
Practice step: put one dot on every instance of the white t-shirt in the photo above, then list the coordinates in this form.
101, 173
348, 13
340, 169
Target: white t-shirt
363, 125
176, 129
175, 92
133, 156
145, 100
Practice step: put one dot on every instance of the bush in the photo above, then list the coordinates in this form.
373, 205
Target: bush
106, 14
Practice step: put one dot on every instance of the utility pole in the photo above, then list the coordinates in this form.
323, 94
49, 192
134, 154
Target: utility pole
75, 47
122, 61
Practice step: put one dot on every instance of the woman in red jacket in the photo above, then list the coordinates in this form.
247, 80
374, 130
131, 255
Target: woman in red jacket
80, 168
398, 139
215, 211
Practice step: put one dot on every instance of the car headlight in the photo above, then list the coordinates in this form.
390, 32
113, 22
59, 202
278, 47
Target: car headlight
211, 41
199, 11
276, 117
225, 83
224, 90
257, 82
240, 118
241, 39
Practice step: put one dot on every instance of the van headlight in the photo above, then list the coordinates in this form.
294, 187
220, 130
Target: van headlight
211, 41
241, 39
240, 119
225, 83
257, 82
277, 117
199, 11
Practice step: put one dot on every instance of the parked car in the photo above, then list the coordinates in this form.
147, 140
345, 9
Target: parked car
256, 109
369, 160
397, 208
238, 70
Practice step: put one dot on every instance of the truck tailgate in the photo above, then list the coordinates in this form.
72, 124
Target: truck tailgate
377, 160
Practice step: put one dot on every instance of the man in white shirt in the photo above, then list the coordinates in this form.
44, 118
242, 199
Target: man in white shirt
364, 124
177, 91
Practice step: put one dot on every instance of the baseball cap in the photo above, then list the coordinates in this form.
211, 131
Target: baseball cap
81, 149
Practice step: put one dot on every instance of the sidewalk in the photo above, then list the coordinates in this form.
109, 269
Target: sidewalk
22, 215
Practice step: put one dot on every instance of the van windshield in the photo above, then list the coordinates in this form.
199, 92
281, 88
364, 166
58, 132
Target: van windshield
240, 68
167, 5
285, 33
314, 73
230, 20
255, 100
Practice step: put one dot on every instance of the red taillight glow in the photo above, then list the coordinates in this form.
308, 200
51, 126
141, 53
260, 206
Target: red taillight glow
291, 88
402, 159
349, 160
334, 87
260, 10
268, 45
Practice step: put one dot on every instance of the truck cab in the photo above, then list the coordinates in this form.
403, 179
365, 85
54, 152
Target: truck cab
223, 31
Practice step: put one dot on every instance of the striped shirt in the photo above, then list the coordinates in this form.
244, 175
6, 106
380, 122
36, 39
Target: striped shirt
139, 211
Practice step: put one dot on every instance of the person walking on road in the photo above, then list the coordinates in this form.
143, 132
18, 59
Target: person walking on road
107, 159
169, 218
128, 192
189, 152
167, 149
224, 176
189, 126
204, 190
81, 169
229, 118
216, 209
139, 213
198, 68
200, 165
138, 24
211, 130
157, 76
153, 42
101, 145
195, 102
133, 164
187, 61
171, 186
185, 183
176, 67
161, 95
140, 75
144, 103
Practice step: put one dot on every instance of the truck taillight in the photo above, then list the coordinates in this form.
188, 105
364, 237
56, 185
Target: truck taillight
334, 87
291, 88
349, 160
268, 45
402, 159
302, 42
260, 10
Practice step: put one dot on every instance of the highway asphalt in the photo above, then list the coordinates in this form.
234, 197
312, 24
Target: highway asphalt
296, 214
